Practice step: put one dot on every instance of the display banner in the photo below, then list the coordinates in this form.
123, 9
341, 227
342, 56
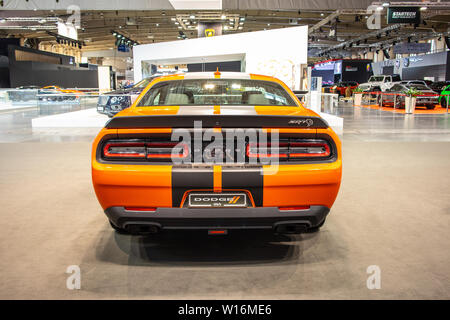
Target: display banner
406, 48
209, 29
403, 15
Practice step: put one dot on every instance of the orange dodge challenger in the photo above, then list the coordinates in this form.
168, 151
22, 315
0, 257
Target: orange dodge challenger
216, 152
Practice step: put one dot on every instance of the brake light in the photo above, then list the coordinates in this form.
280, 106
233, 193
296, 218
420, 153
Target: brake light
293, 208
290, 150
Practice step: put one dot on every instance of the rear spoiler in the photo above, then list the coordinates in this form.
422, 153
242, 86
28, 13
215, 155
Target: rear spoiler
211, 121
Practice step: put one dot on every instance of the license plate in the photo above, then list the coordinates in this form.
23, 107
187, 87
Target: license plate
217, 200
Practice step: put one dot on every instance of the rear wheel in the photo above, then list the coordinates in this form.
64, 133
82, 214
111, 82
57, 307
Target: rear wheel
376, 93
444, 102
380, 101
431, 107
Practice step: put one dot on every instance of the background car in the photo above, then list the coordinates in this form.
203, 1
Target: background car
422, 82
341, 87
23, 93
439, 86
380, 82
429, 100
115, 101
58, 94
444, 101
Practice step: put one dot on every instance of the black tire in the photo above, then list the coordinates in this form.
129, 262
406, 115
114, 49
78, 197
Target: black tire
316, 228
117, 229
444, 102
380, 101
375, 90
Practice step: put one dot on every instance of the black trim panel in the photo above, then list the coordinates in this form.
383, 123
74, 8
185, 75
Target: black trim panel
211, 121
229, 218
246, 179
191, 179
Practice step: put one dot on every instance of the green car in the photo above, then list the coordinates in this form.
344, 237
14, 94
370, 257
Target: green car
445, 100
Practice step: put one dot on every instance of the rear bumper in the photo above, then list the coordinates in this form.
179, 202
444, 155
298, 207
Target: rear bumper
224, 218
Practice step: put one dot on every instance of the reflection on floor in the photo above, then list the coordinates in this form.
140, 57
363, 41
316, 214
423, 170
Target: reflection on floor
419, 109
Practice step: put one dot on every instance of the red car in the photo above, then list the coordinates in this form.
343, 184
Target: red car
342, 86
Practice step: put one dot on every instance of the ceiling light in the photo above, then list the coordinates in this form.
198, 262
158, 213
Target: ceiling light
423, 8
240, 28
2, 20
241, 23
385, 4
157, 24
268, 24
223, 16
179, 27
242, 18
43, 20
322, 14
226, 27
176, 22
192, 16
380, 8
173, 19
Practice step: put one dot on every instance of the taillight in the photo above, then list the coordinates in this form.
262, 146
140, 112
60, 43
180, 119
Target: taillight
145, 150
291, 150
124, 150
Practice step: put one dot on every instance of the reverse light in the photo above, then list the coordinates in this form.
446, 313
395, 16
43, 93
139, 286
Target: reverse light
124, 150
167, 150
264, 150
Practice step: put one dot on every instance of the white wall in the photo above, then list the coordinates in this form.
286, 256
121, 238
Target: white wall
278, 52
104, 83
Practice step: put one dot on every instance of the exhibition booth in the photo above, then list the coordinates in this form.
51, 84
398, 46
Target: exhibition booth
272, 53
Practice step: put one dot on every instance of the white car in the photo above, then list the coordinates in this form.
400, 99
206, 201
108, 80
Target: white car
380, 83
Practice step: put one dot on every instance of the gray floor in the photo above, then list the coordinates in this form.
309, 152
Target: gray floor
393, 211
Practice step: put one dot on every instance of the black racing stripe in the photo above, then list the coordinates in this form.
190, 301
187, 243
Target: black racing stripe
188, 179
250, 179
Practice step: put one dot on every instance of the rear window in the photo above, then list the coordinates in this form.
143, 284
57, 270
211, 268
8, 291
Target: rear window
201, 92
